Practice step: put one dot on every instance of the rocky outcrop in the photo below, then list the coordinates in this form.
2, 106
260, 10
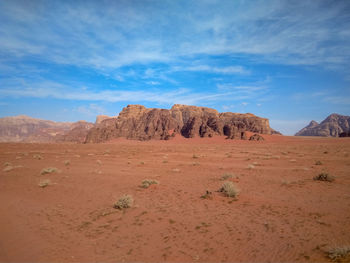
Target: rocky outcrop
138, 122
332, 126
101, 118
256, 137
77, 133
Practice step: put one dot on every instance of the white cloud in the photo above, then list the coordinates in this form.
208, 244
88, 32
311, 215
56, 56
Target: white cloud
91, 110
113, 34
220, 70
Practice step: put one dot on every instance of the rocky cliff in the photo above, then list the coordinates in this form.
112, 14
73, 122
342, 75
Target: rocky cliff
141, 123
333, 126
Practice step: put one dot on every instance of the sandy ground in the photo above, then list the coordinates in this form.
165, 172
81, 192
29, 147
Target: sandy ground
280, 215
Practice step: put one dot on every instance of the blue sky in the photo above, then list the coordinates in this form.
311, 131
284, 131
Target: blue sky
288, 61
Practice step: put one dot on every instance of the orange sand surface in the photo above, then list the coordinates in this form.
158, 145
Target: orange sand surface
280, 215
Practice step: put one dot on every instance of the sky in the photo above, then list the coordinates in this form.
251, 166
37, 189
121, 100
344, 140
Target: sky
288, 61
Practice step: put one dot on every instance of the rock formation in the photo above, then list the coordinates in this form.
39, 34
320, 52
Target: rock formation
332, 126
138, 122
77, 133
256, 137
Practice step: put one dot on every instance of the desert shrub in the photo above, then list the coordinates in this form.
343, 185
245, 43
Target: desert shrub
8, 168
251, 166
226, 176
49, 170
324, 177
147, 182
194, 156
44, 183
318, 163
339, 253
229, 189
37, 156
66, 162
125, 201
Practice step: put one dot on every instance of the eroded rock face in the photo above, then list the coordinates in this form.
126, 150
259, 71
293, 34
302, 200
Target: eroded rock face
77, 132
138, 122
332, 126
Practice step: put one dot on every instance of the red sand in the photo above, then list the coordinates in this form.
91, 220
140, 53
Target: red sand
280, 215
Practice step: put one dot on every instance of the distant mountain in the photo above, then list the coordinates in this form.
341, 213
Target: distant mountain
334, 125
26, 129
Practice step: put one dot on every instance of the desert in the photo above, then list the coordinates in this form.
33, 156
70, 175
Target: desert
199, 131
281, 214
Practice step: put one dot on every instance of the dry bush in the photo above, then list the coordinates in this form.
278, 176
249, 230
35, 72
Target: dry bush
67, 162
229, 189
251, 166
125, 201
226, 176
147, 183
37, 156
44, 183
324, 177
49, 170
318, 163
339, 254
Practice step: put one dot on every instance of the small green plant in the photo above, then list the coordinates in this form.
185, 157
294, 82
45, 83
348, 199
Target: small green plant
339, 253
227, 176
44, 183
49, 170
125, 201
229, 189
318, 163
324, 177
148, 182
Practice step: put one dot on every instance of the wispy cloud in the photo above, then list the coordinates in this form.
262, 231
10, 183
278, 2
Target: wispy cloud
112, 34
211, 69
46, 89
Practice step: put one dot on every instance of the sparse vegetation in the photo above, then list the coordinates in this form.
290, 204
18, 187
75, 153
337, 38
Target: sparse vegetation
43, 183
49, 170
324, 177
148, 182
66, 162
194, 156
318, 163
229, 189
125, 201
227, 176
37, 156
8, 168
207, 195
251, 166
339, 254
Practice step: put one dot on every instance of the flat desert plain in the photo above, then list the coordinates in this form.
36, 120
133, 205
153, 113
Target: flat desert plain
280, 215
